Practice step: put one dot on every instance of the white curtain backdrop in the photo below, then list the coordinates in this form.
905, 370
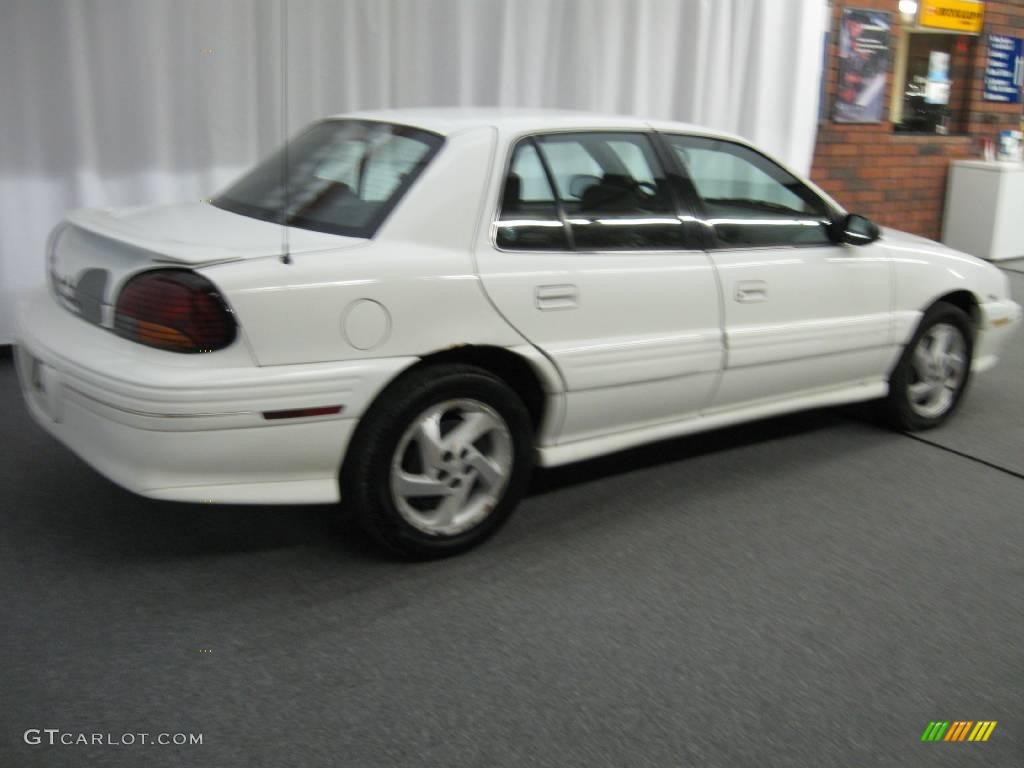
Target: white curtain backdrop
116, 102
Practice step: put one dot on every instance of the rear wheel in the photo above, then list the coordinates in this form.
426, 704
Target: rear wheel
439, 462
930, 379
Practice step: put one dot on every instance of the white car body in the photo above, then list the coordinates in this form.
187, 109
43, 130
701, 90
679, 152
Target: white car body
625, 348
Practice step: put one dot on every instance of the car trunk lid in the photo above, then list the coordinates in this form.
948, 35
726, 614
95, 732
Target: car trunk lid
200, 233
97, 250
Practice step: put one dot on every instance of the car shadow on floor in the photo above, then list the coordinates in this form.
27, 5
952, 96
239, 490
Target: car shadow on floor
61, 501
116, 523
700, 444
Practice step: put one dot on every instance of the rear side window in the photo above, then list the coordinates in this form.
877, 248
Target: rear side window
529, 214
338, 176
749, 200
592, 191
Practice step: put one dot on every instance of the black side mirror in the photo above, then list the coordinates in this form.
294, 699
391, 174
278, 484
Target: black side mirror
854, 229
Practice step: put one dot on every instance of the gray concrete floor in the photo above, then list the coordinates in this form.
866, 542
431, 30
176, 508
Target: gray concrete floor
808, 591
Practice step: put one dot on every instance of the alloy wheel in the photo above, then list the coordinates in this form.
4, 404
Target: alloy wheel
938, 368
451, 467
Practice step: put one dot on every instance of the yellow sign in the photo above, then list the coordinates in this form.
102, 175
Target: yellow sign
957, 15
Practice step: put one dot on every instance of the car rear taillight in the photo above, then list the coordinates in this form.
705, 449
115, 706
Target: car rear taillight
174, 309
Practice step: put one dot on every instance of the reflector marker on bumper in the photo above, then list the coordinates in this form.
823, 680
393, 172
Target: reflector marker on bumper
299, 413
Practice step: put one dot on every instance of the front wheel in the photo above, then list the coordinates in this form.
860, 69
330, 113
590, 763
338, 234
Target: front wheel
439, 462
930, 379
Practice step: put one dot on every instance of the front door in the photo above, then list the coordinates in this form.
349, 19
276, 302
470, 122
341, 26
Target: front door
802, 315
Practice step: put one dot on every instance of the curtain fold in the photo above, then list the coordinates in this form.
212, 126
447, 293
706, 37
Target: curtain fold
112, 103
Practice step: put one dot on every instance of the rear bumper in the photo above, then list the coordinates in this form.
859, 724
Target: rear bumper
191, 427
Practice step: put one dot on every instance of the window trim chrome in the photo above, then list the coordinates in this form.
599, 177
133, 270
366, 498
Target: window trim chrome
714, 243
513, 146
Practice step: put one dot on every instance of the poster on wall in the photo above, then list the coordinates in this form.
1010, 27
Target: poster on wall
1004, 75
863, 64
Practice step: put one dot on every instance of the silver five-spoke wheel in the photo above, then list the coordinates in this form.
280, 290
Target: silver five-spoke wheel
451, 467
938, 368
440, 460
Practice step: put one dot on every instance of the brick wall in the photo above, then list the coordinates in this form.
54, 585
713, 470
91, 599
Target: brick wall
900, 180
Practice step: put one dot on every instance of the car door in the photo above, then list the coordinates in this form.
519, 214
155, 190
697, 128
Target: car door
801, 313
590, 260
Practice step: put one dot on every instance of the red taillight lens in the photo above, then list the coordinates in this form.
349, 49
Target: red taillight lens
174, 309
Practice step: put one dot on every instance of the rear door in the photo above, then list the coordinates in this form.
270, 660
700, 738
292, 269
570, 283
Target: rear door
801, 313
591, 261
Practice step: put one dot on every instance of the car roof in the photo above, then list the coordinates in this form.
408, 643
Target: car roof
448, 120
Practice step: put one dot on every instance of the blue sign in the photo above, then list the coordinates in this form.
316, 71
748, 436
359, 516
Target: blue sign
1004, 75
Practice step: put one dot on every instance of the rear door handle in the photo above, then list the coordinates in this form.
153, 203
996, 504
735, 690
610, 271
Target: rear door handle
551, 298
751, 291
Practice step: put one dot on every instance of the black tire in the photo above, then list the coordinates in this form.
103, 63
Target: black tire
897, 409
367, 469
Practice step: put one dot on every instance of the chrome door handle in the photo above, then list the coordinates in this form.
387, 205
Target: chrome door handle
751, 291
555, 297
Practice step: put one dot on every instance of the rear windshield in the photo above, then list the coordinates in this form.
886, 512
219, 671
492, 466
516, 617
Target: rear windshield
338, 176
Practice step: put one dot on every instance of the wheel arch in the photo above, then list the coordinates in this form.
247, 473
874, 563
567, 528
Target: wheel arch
527, 371
962, 299
521, 374
965, 301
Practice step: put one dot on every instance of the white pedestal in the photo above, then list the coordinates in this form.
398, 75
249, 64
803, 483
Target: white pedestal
985, 209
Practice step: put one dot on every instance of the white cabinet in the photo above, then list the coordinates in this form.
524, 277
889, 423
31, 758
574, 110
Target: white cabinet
985, 209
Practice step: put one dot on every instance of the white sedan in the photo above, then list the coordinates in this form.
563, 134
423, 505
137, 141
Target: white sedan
456, 296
